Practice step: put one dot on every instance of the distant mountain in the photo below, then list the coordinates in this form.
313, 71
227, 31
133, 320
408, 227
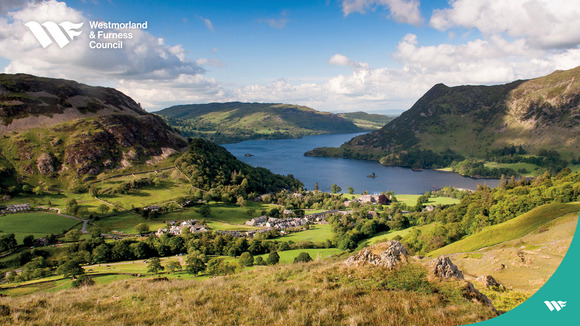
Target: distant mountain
236, 121
59, 134
369, 121
532, 117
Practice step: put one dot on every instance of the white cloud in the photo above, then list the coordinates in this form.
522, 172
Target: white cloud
402, 11
543, 23
207, 23
277, 23
145, 68
341, 60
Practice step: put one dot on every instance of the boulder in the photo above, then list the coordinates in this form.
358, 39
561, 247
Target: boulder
471, 293
393, 255
489, 282
443, 267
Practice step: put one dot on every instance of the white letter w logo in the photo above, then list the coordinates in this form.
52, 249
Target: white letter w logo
55, 31
555, 305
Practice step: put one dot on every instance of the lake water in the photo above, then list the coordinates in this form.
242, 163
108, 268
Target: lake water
286, 156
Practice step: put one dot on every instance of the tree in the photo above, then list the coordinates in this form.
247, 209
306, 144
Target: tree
259, 261
103, 209
241, 202
73, 235
8, 242
195, 263
273, 258
28, 240
246, 259
70, 268
142, 228
155, 265
350, 190
335, 189
316, 188
102, 253
217, 266
303, 257
174, 266
205, 211
83, 280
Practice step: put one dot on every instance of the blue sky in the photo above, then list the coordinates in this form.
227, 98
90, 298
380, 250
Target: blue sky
347, 55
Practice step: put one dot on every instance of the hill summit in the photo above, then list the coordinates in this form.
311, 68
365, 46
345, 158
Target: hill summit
541, 114
54, 127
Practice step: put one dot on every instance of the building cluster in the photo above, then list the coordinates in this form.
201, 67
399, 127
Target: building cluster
176, 229
247, 234
369, 199
15, 208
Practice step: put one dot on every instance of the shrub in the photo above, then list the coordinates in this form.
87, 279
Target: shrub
303, 257
273, 258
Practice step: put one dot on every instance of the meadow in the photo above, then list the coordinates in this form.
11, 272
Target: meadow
509, 230
37, 224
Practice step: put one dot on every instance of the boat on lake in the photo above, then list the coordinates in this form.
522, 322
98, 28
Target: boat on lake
373, 175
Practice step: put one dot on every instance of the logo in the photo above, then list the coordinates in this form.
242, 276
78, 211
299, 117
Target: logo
555, 305
56, 31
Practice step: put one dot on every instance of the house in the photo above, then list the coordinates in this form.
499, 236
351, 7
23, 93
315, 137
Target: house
16, 208
40, 242
160, 232
153, 208
287, 212
429, 208
257, 221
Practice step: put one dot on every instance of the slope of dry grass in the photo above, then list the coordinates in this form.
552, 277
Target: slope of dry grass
316, 293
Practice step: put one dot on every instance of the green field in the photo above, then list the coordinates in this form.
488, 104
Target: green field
126, 222
287, 257
165, 192
37, 224
316, 233
509, 230
411, 200
389, 235
530, 168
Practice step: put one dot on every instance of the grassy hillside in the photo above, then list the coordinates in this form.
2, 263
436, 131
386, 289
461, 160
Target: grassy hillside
501, 123
297, 294
235, 121
369, 121
512, 229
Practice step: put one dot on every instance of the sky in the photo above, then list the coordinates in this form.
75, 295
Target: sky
377, 56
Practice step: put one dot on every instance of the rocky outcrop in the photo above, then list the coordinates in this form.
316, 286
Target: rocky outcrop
443, 267
489, 282
45, 164
393, 255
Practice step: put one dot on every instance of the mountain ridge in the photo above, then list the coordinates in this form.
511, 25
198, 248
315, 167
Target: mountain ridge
540, 114
238, 121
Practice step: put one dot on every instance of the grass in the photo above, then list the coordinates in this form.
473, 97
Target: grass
126, 222
38, 224
530, 168
411, 200
509, 230
287, 257
390, 235
323, 292
316, 233
165, 192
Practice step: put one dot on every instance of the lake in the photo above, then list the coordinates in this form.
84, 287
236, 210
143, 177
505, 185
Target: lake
286, 156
